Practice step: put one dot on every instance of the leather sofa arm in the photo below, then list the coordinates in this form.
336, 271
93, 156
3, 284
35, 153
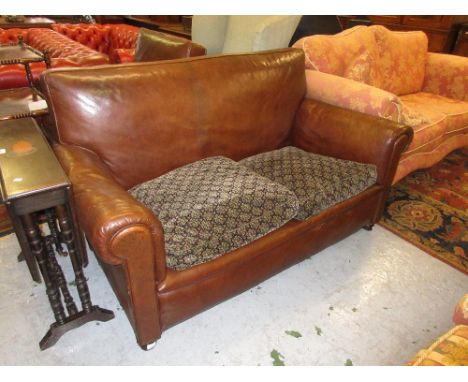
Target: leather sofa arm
341, 133
446, 75
120, 229
353, 95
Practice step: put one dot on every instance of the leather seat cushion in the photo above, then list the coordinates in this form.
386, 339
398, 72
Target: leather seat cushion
214, 206
319, 182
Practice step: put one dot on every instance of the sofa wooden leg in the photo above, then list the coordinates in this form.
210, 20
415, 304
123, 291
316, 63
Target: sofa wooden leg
148, 346
368, 227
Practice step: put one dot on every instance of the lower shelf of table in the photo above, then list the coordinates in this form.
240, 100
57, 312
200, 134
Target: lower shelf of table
15, 103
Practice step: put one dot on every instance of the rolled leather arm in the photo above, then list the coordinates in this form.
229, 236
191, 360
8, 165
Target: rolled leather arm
353, 95
341, 133
120, 229
446, 75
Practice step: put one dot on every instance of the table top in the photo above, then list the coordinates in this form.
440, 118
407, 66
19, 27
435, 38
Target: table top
14, 103
18, 54
27, 163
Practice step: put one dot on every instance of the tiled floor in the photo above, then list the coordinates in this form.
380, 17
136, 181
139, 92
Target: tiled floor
372, 299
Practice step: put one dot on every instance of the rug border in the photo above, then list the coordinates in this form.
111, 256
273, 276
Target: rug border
420, 246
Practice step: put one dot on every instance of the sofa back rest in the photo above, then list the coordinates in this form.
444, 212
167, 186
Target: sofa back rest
122, 36
402, 59
103, 38
10, 36
352, 54
145, 119
154, 46
61, 47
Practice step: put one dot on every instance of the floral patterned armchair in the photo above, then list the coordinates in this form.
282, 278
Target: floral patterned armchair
392, 75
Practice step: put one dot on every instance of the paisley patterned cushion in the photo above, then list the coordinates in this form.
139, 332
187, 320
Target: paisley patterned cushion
214, 206
319, 182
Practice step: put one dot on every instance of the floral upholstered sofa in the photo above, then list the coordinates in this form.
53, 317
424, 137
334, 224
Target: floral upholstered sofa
392, 75
450, 349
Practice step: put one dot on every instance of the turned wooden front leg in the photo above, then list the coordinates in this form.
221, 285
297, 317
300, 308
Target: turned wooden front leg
57, 275
66, 227
34, 237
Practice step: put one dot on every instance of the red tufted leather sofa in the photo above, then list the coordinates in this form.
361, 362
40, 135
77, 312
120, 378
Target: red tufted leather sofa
115, 40
62, 51
70, 45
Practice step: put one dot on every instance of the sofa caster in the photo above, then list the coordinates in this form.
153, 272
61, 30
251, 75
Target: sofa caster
148, 346
368, 227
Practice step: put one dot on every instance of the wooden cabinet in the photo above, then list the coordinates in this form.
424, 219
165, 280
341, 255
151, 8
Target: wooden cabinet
461, 43
442, 31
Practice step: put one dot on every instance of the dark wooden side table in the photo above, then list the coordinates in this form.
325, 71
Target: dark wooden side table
37, 194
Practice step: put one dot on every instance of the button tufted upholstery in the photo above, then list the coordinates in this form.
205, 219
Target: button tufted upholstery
62, 51
10, 36
104, 38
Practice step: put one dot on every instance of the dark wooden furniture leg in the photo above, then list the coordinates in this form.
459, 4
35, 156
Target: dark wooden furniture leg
90, 312
35, 241
37, 201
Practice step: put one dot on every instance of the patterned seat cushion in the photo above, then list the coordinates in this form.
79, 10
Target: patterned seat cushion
214, 206
319, 182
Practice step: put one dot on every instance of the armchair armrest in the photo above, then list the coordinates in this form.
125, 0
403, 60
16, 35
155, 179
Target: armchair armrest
127, 237
353, 95
446, 75
333, 131
119, 228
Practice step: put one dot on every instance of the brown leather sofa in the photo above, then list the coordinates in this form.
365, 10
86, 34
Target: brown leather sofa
117, 126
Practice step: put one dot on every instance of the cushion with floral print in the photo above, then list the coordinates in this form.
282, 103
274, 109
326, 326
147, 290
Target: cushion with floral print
212, 207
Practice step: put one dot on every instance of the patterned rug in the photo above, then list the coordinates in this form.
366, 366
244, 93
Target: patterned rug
429, 207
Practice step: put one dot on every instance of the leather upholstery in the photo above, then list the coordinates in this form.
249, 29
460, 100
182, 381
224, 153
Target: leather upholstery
104, 38
62, 51
59, 46
154, 46
115, 127
264, 109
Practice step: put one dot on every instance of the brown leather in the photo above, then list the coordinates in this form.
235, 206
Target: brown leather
342, 133
106, 211
185, 294
154, 46
164, 111
118, 126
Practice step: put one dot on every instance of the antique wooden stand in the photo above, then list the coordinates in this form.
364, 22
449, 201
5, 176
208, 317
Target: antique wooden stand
38, 198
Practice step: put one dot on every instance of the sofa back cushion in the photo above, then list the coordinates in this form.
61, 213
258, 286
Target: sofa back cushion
104, 38
155, 46
11, 36
351, 54
145, 119
402, 59
61, 47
